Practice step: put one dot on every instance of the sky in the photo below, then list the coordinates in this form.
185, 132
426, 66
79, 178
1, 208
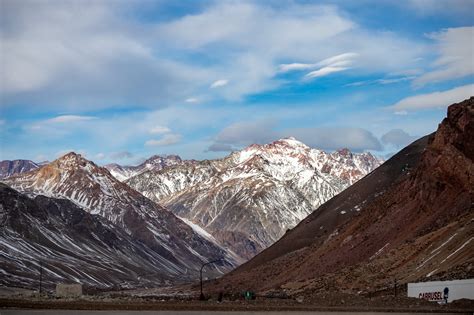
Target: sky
119, 81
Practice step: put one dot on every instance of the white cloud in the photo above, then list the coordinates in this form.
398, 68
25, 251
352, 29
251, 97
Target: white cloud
60, 125
236, 24
401, 113
439, 99
338, 60
220, 147
191, 100
437, 7
121, 131
329, 65
248, 132
264, 131
70, 55
394, 80
69, 119
324, 71
167, 139
296, 66
219, 83
121, 155
398, 138
455, 49
100, 156
158, 130
249, 41
334, 138
384, 81
359, 83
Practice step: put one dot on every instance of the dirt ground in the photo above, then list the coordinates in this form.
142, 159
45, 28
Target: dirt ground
322, 302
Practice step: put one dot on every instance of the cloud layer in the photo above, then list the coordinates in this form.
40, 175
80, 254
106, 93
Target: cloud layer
67, 54
69, 119
242, 134
455, 50
97, 56
398, 138
439, 99
146, 76
167, 139
327, 66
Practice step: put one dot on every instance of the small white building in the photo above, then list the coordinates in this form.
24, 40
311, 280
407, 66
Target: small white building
68, 290
442, 291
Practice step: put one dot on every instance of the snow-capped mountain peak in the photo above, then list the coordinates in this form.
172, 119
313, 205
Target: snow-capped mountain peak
155, 162
254, 195
283, 147
291, 142
162, 160
345, 152
72, 160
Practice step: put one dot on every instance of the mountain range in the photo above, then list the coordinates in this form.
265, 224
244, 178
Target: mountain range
309, 221
410, 220
156, 162
230, 208
179, 248
70, 244
249, 199
9, 168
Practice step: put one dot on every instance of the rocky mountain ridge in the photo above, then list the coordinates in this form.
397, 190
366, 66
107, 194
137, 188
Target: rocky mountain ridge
155, 162
95, 190
12, 167
70, 244
250, 198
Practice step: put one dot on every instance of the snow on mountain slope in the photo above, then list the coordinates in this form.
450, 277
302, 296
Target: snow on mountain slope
98, 192
250, 198
9, 168
72, 245
121, 173
156, 162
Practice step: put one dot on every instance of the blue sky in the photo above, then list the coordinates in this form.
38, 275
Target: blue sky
121, 80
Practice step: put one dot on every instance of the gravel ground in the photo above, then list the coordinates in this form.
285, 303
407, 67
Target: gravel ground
334, 302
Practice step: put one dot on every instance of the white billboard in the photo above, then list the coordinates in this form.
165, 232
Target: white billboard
442, 291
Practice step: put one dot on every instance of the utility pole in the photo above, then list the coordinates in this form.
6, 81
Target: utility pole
201, 297
395, 286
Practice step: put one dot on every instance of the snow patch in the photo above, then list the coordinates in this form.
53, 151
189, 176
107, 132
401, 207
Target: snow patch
379, 252
199, 230
457, 250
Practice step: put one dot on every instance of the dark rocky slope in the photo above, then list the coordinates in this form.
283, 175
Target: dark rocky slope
9, 168
72, 245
